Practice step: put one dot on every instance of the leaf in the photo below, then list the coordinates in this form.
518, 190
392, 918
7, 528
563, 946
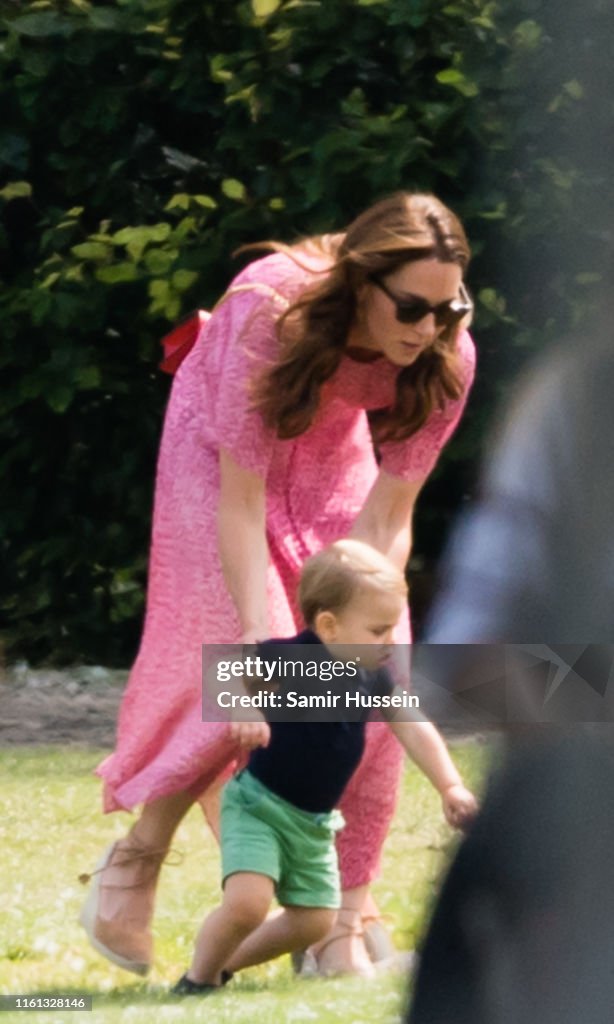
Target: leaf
142, 235
185, 227
107, 19
158, 232
50, 280
43, 24
88, 377
159, 289
233, 189
184, 279
264, 8
159, 261
176, 158
91, 251
16, 190
492, 301
117, 273
59, 398
180, 201
527, 34
459, 81
207, 201
74, 273
574, 89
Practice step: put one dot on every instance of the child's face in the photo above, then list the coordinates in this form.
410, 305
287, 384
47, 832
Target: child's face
369, 619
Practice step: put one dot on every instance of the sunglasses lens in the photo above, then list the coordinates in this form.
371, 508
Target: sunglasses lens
446, 316
450, 314
413, 311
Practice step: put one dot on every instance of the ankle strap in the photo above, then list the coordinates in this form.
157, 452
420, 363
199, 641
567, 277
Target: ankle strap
134, 853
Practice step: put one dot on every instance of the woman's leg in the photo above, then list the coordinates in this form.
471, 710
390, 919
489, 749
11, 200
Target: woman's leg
118, 911
342, 950
368, 806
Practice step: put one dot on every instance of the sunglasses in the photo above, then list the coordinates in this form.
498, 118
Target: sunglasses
414, 309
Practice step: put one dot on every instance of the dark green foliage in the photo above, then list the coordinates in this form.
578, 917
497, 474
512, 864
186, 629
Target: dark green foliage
143, 140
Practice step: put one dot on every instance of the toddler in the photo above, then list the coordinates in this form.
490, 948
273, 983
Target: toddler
279, 814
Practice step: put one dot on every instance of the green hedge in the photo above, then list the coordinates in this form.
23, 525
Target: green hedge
142, 141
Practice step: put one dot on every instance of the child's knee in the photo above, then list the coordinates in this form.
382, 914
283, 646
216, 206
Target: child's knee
248, 907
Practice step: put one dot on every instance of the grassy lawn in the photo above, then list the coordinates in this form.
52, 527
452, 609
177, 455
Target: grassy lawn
52, 829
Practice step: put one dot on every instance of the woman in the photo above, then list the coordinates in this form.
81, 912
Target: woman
266, 457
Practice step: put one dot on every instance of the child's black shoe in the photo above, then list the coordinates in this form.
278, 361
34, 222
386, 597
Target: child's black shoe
186, 987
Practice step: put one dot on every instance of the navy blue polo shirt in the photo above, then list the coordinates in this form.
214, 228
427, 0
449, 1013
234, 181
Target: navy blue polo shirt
310, 763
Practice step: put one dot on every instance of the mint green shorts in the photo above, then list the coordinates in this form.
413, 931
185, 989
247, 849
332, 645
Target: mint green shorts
269, 836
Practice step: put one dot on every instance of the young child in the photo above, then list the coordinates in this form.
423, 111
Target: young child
278, 819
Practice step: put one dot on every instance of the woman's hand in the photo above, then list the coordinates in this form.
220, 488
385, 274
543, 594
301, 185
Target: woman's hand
459, 806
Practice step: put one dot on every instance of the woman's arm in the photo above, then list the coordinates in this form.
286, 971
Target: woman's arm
241, 535
385, 519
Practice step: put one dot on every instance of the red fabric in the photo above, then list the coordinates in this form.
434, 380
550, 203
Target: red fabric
178, 342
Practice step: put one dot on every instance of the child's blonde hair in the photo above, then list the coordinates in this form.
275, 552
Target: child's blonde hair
330, 578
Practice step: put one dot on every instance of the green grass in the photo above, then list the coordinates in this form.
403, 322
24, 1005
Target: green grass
52, 830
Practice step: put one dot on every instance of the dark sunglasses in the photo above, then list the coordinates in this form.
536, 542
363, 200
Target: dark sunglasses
414, 309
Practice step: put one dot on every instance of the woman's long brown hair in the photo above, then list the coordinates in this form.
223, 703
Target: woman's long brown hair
313, 332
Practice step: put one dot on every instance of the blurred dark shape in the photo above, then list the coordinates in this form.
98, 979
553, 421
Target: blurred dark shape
533, 562
523, 927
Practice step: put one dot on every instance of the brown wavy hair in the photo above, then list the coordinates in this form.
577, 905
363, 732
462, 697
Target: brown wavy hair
313, 332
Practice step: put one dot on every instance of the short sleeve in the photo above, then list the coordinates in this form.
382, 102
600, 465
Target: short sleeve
416, 457
242, 334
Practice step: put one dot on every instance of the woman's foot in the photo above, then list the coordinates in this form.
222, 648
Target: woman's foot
381, 949
378, 942
119, 907
343, 951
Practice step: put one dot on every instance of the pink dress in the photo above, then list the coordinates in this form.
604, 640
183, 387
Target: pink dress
315, 487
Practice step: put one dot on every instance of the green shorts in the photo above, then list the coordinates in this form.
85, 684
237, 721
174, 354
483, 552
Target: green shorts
269, 836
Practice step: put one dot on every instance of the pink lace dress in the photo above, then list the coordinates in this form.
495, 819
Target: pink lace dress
315, 487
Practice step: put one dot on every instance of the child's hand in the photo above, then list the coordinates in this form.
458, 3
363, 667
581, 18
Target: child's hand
459, 806
249, 735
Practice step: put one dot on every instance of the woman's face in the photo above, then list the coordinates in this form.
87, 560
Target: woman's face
377, 327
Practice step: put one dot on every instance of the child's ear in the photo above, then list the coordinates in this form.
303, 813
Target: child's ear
325, 626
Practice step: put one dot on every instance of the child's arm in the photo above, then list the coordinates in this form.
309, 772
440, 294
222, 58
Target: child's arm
249, 735
427, 749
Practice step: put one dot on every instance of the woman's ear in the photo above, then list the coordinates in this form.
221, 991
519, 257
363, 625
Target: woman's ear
325, 626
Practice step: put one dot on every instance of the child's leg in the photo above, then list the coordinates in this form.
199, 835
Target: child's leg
247, 898
295, 928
